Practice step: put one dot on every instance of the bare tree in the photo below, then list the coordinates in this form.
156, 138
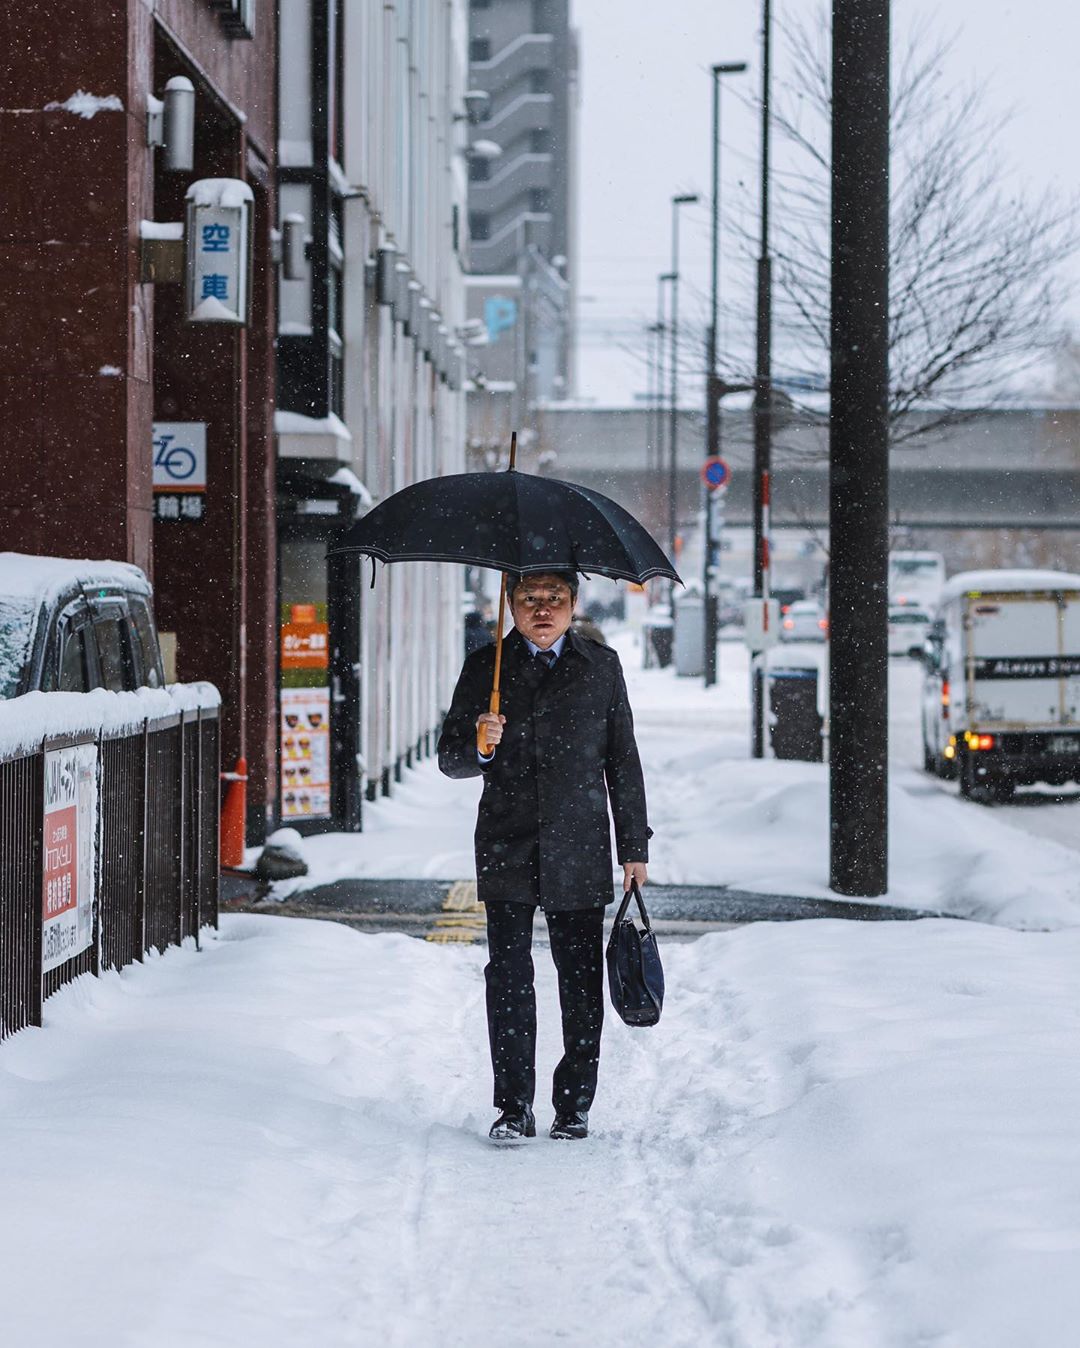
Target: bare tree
976, 280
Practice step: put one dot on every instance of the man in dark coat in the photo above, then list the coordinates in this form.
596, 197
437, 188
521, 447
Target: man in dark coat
563, 745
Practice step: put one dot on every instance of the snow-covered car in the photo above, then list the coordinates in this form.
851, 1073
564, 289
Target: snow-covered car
804, 621
72, 626
908, 626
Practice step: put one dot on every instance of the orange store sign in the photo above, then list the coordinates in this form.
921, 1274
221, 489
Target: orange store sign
305, 645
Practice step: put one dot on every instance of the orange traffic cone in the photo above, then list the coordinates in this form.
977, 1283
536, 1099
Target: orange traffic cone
233, 810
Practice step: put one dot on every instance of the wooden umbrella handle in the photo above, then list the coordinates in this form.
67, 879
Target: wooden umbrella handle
493, 704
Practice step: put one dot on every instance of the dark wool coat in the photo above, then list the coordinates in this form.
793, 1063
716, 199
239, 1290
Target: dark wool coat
542, 832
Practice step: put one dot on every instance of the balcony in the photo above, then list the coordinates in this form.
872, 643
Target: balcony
525, 113
530, 51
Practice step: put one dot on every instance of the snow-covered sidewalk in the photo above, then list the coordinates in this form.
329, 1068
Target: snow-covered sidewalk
839, 1135
722, 819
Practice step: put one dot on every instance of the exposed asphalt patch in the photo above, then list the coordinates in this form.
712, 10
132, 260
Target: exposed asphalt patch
410, 900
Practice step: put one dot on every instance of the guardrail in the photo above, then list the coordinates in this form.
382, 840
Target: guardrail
108, 835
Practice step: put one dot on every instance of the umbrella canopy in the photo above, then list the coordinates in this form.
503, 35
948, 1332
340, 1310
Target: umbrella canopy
509, 521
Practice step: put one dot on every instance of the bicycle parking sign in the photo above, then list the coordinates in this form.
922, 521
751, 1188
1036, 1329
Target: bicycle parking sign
179, 469
180, 456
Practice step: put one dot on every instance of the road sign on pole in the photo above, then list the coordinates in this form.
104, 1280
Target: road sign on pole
715, 473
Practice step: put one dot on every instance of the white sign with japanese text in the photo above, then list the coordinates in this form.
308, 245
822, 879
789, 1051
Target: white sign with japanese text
217, 232
69, 853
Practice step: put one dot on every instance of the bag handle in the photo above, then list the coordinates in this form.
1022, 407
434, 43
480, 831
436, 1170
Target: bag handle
633, 893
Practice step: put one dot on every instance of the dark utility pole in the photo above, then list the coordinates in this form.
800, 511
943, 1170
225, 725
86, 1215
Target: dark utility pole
685, 199
859, 449
762, 389
712, 379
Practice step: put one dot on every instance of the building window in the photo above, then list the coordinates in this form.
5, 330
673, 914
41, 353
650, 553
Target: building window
540, 199
479, 170
479, 4
479, 225
539, 82
540, 142
480, 49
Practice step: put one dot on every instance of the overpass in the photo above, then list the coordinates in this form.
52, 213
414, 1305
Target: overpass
1002, 469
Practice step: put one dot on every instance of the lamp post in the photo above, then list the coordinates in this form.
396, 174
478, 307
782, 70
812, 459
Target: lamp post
661, 328
762, 397
712, 379
683, 199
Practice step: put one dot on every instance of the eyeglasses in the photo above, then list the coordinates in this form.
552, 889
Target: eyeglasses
532, 599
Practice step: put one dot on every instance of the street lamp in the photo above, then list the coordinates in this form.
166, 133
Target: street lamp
683, 199
662, 280
712, 379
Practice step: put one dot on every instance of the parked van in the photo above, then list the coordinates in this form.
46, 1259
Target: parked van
71, 626
1001, 693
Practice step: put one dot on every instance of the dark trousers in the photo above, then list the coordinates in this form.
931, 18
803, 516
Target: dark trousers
577, 947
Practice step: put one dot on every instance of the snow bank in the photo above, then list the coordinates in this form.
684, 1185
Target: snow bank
839, 1136
25, 721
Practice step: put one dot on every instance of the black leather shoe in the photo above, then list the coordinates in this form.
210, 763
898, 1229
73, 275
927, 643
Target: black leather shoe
568, 1126
513, 1125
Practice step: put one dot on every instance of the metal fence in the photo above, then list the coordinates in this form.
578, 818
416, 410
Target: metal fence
156, 856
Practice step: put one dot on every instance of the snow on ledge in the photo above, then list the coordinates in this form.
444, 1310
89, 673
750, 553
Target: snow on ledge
345, 477
86, 105
295, 423
25, 721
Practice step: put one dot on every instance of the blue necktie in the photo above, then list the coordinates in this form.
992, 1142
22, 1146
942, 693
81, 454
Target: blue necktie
548, 657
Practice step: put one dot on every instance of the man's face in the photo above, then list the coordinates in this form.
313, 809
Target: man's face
542, 607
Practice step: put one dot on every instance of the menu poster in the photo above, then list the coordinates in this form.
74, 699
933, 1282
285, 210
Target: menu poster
305, 753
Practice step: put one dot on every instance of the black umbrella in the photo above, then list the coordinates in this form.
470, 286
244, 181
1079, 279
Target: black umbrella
511, 522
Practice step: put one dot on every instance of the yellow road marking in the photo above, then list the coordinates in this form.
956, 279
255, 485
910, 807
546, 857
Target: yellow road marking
464, 920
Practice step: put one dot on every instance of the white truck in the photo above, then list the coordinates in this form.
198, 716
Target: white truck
1001, 692
916, 578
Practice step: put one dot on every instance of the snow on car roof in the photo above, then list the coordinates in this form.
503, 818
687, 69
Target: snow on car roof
964, 582
38, 579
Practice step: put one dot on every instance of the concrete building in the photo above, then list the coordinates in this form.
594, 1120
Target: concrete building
370, 390
521, 212
136, 428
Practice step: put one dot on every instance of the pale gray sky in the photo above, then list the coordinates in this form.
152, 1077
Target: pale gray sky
645, 134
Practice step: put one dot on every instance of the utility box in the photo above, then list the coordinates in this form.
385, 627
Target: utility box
690, 635
795, 719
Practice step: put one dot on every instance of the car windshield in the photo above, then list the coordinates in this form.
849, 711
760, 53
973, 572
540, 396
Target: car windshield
16, 626
908, 616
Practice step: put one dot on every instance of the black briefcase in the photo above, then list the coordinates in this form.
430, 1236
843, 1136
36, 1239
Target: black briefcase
635, 974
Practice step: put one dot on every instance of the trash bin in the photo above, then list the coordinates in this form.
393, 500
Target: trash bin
657, 638
690, 635
795, 721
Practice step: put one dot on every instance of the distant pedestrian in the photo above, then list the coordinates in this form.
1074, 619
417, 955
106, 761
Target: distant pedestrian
563, 746
477, 632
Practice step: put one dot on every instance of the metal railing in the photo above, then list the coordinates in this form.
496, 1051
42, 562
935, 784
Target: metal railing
155, 859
